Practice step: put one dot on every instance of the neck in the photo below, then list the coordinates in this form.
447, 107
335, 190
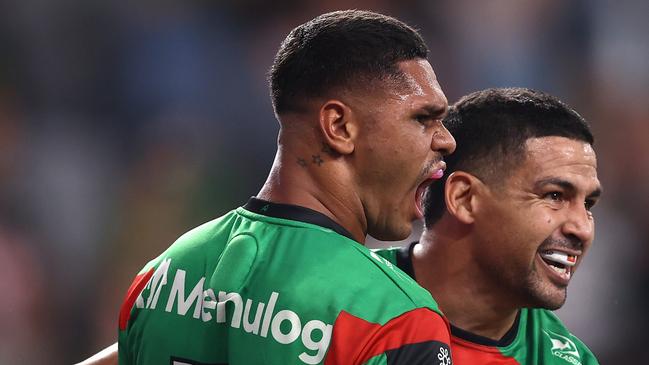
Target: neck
311, 186
444, 264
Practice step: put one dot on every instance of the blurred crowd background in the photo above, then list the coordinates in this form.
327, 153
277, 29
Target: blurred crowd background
124, 124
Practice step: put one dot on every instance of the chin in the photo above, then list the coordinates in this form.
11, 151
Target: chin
551, 299
552, 304
539, 291
392, 233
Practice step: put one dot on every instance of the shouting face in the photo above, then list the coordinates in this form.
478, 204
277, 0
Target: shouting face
400, 148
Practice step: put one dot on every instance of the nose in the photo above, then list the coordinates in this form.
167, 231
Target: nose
442, 142
579, 225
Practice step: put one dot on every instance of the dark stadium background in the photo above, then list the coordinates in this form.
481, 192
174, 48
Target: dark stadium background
123, 125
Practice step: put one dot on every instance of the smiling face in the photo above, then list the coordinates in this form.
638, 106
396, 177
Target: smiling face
535, 226
400, 148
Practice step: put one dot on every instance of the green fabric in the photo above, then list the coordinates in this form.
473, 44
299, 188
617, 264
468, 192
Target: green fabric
541, 338
251, 289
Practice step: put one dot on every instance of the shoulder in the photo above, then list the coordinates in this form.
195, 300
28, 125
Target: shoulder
209, 233
389, 254
387, 265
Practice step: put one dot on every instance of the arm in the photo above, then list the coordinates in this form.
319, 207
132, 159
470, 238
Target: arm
107, 356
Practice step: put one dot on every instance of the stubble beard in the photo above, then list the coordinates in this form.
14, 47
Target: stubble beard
540, 293
527, 288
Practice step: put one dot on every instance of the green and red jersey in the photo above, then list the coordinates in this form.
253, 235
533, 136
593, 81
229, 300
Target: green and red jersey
537, 337
277, 284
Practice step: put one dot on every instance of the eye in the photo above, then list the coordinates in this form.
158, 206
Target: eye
555, 196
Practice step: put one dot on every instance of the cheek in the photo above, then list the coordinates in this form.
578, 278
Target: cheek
523, 233
539, 219
406, 157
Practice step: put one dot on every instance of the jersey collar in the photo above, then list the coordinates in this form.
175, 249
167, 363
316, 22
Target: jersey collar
296, 213
505, 341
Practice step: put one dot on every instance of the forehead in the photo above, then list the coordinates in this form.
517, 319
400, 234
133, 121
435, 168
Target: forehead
419, 76
560, 157
418, 85
415, 86
415, 89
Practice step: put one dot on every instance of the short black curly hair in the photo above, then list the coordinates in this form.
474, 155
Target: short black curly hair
491, 127
339, 49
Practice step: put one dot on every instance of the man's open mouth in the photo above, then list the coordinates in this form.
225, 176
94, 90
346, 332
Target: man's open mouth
421, 189
561, 262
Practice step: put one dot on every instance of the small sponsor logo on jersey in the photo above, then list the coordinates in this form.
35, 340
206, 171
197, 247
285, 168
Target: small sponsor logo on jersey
284, 326
444, 356
563, 347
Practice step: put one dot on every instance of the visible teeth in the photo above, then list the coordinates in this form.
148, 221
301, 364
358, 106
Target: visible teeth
562, 271
560, 257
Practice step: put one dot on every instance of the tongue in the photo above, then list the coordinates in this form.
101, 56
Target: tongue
438, 174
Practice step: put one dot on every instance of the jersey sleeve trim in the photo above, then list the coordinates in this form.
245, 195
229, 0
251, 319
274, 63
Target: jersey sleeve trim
356, 340
133, 292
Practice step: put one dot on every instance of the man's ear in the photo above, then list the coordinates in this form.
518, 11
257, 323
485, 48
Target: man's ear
338, 126
461, 192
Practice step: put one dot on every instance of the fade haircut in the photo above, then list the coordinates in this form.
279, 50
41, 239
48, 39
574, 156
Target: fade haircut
338, 50
491, 128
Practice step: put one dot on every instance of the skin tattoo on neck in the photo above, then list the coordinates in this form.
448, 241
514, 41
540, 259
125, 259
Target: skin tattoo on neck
327, 149
316, 159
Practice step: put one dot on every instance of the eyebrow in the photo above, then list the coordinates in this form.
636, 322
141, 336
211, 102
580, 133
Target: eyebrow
567, 185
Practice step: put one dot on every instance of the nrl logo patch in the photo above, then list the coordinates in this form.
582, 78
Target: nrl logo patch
563, 347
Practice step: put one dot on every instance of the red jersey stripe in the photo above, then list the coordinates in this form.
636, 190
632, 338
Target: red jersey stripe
134, 290
465, 352
354, 340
